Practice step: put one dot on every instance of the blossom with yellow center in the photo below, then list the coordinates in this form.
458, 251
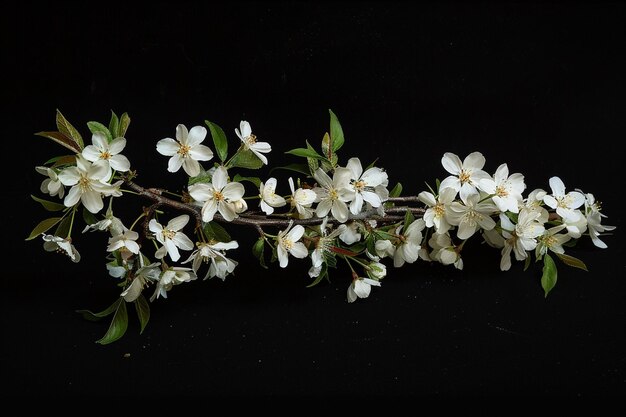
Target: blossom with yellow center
108, 154
249, 141
171, 237
186, 150
466, 175
219, 195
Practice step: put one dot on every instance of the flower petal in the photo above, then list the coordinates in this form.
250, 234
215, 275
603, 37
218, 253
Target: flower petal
201, 192
117, 145
355, 167
474, 161
451, 163
92, 201
167, 147
220, 178
298, 250
91, 153
340, 211
557, 186
375, 176
182, 241
172, 250
245, 129
191, 167
69, 176
177, 223
283, 256
208, 210
201, 153
227, 210
182, 133
233, 191
259, 155
196, 135
174, 163
322, 178
119, 163
296, 233
361, 288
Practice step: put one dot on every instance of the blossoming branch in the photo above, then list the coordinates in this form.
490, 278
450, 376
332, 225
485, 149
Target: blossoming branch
332, 213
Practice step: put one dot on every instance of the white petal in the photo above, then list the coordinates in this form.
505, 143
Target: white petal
322, 179
191, 167
177, 223
450, 182
266, 208
160, 253
182, 241
233, 191
201, 192
182, 133
174, 163
501, 174
225, 245
91, 153
298, 250
361, 288
410, 252
487, 185
262, 147
374, 176
117, 145
100, 141
201, 153
119, 163
167, 147
557, 186
196, 135
172, 250
451, 163
69, 176
427, 198
341, 178
283, 257
371, 198
291, 186
351, 294
259, 155
577, 199
357, 204
466, 230
355, 167
296, 233
245, 129
466, 191
322, 208
220, 178
474, 161
132, 246
133, 291
92, 201
227, 210
550, 201
208, 210
340, 211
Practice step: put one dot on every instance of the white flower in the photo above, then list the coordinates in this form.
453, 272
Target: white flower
302, 200
58, 244
551, 240
324, 243
171, 237
218, 196
594, 220
521, 237
360, 288
249, 141
215, 252
288, 244
471, 215
108, 154
575, 228
384, 248
124, 240
333, 194
186, 150
169, 278
111, 223
435, 215
268, 196
408, 248
506, 189
87, 184
350, 234
51, 185
444, 250
143, 274
565, 204
465, 176
377, 270
364, 184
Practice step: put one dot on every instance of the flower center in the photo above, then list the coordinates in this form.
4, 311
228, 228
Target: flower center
472, 217
84, 183
439, 209
105, 155
286, 243
218, 196
333, 194
249, 140
465, 176
501, 191
549, 241
183, 150
168, 234
564, 202
359, 185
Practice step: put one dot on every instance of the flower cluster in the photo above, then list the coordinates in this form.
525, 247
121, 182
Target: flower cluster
335, 213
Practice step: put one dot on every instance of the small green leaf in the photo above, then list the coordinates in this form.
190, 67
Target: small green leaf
330, 259
548, 279
61, 160
61, 139
63, 229
246, 159
202, 177
97, 127
370, 244
88, 315
299, 168
219, 140
336, 132
437, 184
43, 227
571, 261
254, 180
527, 262
257, 250
408, 219
306, 153
124, 123
323, 274
326, 148
215, 231
89, 217
118, 326
512, 216
48, 205
68, 130
143, 311
114, 125
396, 191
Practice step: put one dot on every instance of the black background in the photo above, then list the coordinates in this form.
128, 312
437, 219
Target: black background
540, 87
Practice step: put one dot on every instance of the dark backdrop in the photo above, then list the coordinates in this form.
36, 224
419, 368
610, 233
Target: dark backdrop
538, 86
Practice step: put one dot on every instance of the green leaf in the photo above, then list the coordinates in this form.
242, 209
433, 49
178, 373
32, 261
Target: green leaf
215, 231
114, 125
330, 259
143, 311
408, 219
336, 132
68, 130
370, 244
61, 139
64, 160
548, 279
88, 315
63, 229
527, 262
396, 191
254, 180
202, 177
571, 261
118, 326
124, 123
437, 184
219, 140
97, 127
48, 205
299, 168
246, 159
89, 217
43, 227
326, 148
306, 153
257, 250
323, 274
